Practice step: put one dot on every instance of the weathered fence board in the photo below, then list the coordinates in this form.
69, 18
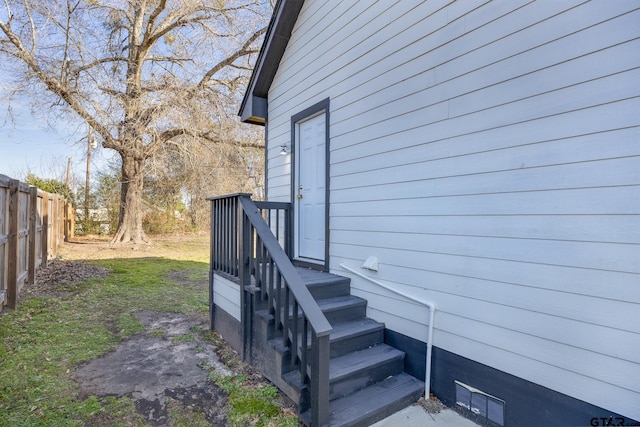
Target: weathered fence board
33, 224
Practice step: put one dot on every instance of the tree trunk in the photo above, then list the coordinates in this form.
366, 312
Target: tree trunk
131, 209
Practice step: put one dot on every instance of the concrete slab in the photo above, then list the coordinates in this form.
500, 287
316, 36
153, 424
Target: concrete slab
416, 415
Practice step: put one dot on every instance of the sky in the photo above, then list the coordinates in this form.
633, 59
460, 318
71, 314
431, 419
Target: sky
30, 145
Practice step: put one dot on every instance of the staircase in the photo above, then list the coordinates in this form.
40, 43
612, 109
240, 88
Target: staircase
301, 328
366, 377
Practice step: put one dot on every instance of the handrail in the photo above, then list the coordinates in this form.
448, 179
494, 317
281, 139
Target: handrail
432, 310
228, 196
308, 304
267, 277
287, 242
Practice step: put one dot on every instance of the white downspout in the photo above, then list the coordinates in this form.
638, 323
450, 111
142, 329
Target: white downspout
432, 311
432, 314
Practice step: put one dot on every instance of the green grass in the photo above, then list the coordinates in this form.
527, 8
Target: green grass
40, 346
181, 416
251, 405
47, 338
43, 342
184, 338
157, 333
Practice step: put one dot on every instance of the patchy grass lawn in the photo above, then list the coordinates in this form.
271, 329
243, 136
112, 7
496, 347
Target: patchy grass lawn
60, 325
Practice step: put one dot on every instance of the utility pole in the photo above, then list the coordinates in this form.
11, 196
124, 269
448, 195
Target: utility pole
66, 182
69, 212
91, 144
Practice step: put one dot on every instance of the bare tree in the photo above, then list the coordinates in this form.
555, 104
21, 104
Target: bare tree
143, 74
222, 171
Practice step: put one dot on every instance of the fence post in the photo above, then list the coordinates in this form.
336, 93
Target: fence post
69, 221
62, 204
12, 268
55, 228
33, 234
45, 230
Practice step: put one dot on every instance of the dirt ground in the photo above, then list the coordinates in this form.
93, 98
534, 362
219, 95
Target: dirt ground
155, 367
187, 246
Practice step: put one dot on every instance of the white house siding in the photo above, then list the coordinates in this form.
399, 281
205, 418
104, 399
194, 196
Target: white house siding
488, 153
226, 295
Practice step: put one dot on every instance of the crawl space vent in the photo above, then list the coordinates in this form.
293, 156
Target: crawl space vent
480, 403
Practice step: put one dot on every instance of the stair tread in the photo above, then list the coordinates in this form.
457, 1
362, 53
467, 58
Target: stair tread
354, 327
326, 305
335, 303
359, 361
341, 331
349, 329
375, 402
343, 366
315, 277
369, 358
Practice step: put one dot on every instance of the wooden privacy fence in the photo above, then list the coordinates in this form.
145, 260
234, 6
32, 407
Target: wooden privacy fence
33, 225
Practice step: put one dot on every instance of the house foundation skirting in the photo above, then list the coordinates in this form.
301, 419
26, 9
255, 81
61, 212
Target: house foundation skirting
262, 355
526, 403
229, 327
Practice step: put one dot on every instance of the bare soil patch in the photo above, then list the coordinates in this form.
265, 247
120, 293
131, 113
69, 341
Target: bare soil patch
432, 406
60, 276
165, 361
181, 246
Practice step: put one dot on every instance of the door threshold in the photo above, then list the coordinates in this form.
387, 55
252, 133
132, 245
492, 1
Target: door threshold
309, 263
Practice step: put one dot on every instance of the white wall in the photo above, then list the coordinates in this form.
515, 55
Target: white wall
226, 295
489, 155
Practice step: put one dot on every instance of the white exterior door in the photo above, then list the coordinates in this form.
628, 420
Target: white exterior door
310, 188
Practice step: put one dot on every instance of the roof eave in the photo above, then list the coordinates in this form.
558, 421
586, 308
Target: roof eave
254, 110
254, 103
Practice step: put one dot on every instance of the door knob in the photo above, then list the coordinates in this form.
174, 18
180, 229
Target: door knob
299, 196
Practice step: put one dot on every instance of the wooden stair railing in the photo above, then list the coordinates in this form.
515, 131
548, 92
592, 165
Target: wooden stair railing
244, 245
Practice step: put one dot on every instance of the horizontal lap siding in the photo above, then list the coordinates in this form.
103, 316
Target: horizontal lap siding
226, 295
489, 155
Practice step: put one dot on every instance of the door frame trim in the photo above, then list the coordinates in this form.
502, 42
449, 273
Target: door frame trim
315, 109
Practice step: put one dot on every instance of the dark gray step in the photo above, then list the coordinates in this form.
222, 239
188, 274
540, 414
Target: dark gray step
357, 370
337, 310
340, 309
351, 336
320, 284
324, 285
373, 403
346, 338
343, 308
360, 369
355, 335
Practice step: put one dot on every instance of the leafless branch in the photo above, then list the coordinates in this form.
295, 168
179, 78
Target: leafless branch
157, 104
243, 51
